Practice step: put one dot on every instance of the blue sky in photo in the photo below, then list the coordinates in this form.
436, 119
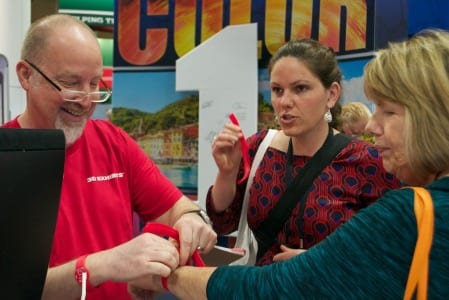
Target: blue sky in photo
151, 91
146, 91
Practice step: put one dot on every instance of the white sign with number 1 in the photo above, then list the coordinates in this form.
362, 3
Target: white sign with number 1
223, 70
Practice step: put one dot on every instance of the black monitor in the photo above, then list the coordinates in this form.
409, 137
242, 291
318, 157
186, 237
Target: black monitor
31, 171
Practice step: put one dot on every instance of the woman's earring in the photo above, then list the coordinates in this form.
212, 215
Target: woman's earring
328, 116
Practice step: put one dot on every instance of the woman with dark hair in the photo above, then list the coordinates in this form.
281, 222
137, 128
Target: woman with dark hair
305, 91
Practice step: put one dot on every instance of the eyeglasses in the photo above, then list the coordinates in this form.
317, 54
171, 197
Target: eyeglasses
76, 96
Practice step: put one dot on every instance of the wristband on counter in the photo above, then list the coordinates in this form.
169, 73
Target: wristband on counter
82, 275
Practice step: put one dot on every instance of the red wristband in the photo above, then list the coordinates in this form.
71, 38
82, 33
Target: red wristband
81, 268
165, 283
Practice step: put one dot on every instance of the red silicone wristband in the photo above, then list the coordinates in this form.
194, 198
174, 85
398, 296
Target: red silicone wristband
81, 268
164, 282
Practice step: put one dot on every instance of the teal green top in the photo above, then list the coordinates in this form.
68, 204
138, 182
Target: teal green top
366, 258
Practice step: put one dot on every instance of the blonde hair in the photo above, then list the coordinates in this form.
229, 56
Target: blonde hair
415, 74
352, 112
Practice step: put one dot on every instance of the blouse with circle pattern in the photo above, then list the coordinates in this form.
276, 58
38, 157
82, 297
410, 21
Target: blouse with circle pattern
354, 179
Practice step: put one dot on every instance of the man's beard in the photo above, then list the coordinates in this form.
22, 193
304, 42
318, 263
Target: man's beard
71, 131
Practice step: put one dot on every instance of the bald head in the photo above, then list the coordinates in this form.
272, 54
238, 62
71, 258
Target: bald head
43, 31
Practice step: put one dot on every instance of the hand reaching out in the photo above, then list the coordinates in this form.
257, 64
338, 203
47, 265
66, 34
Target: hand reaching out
287, 253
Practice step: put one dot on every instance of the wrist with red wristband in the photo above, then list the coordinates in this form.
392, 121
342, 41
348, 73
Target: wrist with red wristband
81, 268
166, 231
165, 283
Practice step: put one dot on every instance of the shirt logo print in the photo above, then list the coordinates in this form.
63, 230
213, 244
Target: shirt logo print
105, 177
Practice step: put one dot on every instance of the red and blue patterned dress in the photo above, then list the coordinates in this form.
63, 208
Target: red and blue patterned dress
352, 181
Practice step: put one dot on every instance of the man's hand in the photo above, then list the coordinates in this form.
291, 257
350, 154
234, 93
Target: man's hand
145, 255
194, 234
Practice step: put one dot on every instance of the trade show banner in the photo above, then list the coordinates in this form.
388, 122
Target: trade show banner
152, 37
98, 13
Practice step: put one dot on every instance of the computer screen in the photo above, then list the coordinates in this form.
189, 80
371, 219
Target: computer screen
31, 171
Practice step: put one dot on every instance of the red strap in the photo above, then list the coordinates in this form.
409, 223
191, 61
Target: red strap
167, 231
81, 268
164, 281
245, 150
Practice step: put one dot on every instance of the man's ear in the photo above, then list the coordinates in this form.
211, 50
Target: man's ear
23, 72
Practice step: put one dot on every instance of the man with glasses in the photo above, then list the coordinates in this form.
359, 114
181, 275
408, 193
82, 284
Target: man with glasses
106, 175
76, 96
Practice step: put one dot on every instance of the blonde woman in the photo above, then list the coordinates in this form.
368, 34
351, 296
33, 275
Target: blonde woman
369, 256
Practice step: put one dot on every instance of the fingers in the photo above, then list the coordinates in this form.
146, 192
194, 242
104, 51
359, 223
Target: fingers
284, 248
287, 253
189, 243
206, 247
226, 149
145, 255
224, 140
229, 136
160, 268
161, 255
210, 241
194, 235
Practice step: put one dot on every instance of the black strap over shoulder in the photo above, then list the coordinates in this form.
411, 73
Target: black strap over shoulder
297, 190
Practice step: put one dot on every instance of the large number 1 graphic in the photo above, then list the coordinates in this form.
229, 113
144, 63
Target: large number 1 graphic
223, 70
